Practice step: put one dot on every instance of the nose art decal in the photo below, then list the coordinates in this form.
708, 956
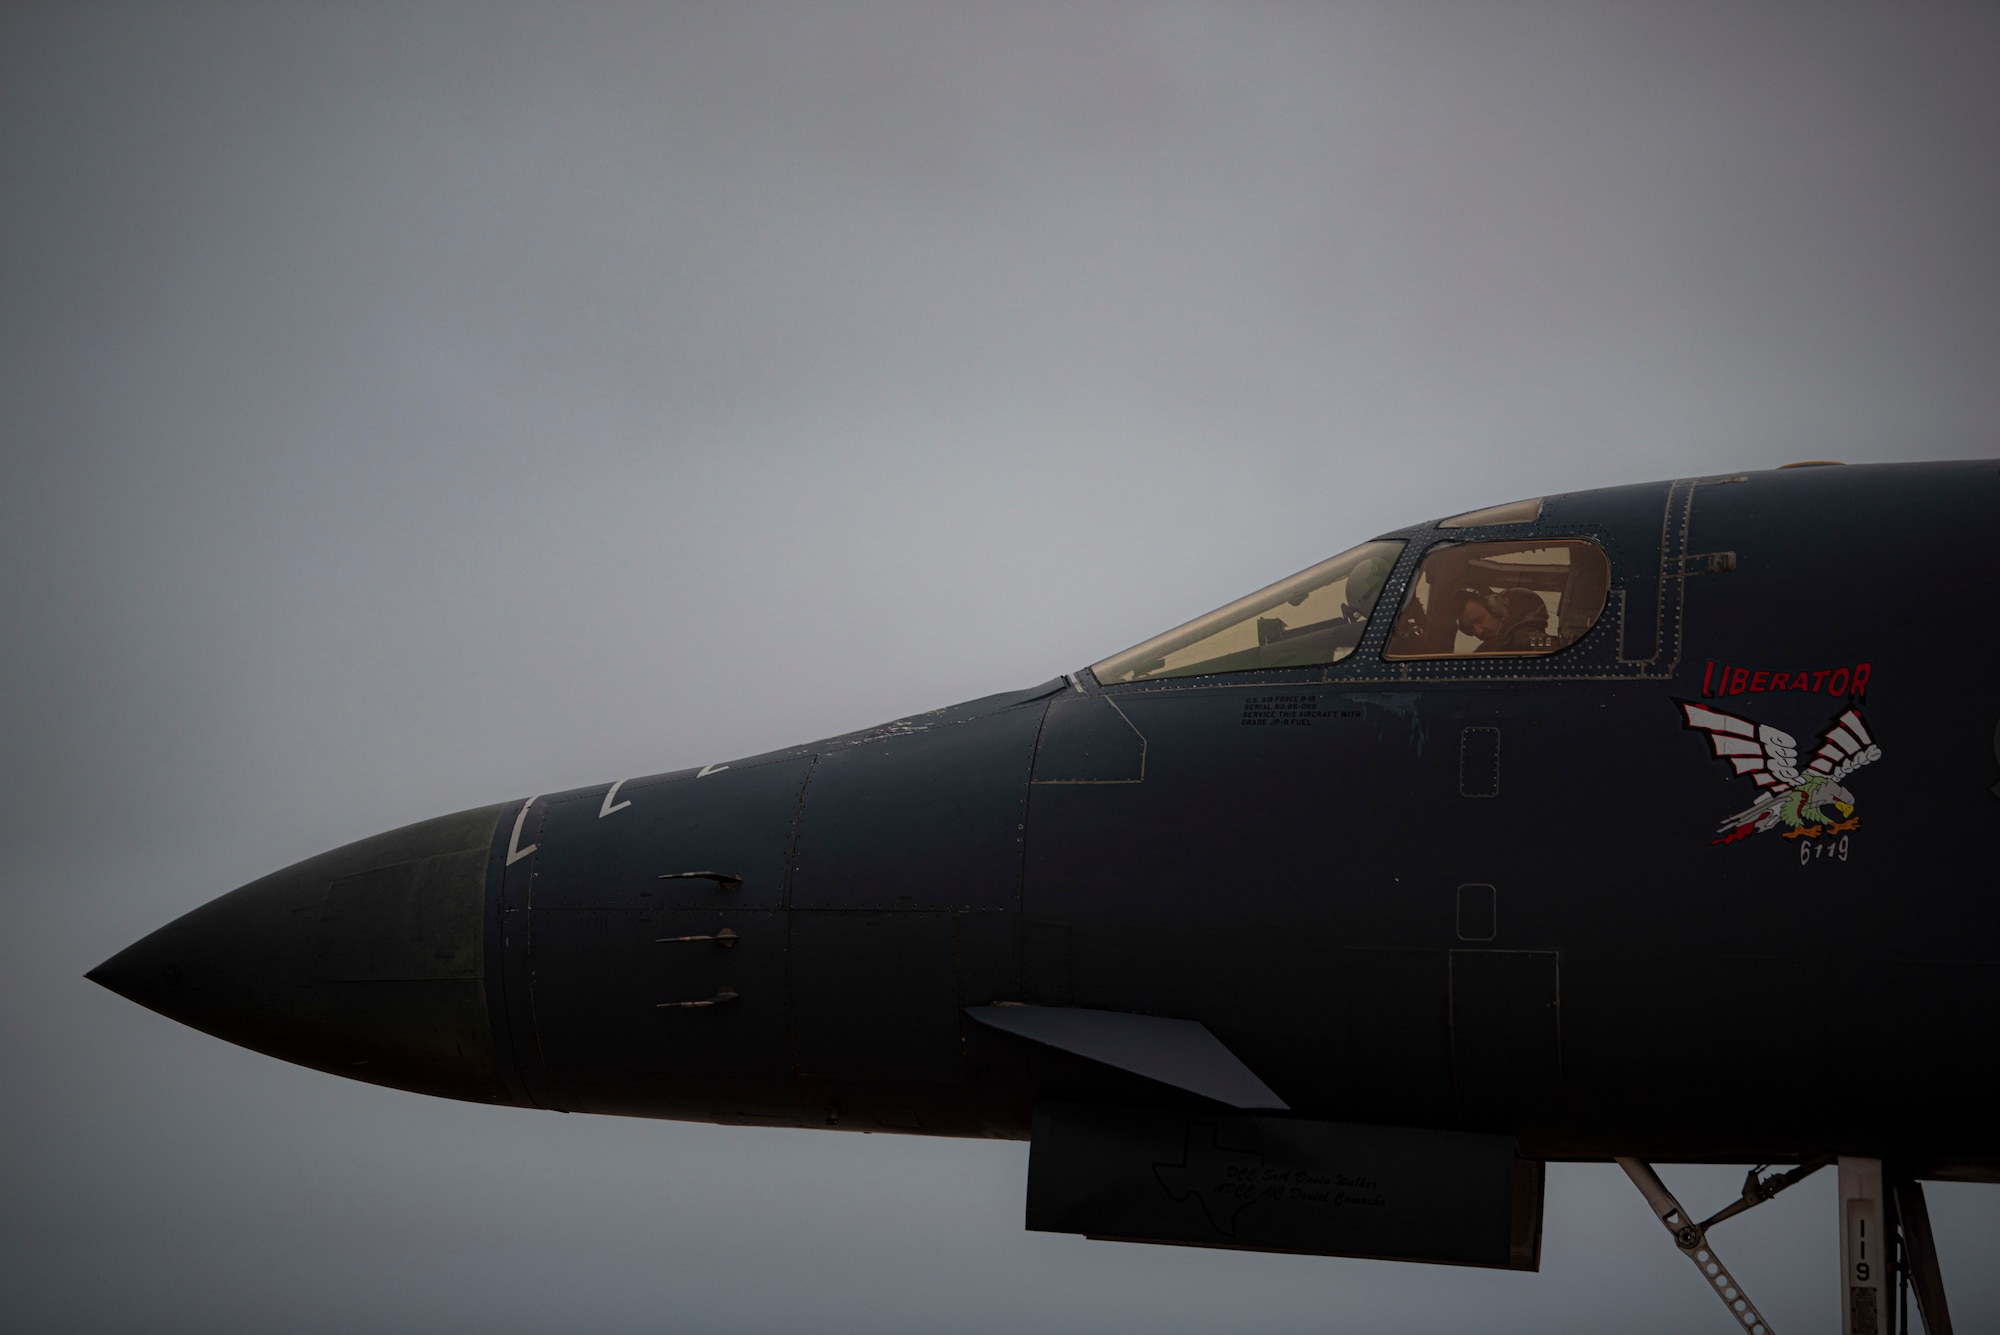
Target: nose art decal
1807, 802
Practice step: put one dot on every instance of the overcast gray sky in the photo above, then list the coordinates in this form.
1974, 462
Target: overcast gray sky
407, 407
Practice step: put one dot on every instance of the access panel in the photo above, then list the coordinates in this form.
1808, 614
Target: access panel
930, 818
1506, 1038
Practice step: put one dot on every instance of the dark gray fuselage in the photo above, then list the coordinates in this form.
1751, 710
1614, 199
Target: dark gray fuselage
1483, 894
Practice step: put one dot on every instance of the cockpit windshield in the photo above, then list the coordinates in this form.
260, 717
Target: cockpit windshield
1316, 616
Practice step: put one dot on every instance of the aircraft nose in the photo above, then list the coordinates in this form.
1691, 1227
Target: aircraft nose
367, 961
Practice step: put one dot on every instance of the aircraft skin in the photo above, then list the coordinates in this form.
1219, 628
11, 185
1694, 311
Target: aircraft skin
1476, 893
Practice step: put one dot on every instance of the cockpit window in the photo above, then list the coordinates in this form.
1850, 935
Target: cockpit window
1515, 598
1513, 512
1316, 616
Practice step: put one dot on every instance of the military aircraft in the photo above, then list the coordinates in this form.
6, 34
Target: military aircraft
1638, 824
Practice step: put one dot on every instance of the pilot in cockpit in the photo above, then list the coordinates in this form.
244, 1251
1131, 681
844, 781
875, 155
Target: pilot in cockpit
1504, 620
